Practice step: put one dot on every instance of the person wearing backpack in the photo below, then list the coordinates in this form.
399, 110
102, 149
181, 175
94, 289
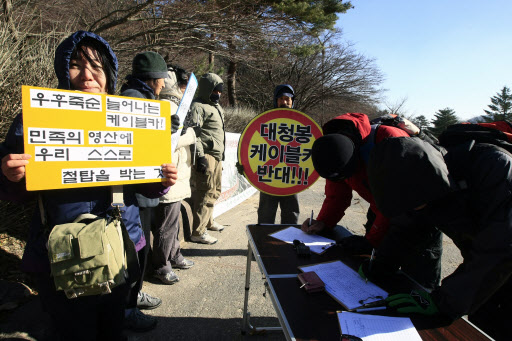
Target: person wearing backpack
340, 157
465, 191
85, 62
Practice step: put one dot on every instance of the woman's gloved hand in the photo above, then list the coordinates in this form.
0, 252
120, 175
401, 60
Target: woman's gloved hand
175, 123
239, 168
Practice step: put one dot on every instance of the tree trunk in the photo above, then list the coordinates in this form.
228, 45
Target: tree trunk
232, 83
211, 55
211, 61
7, 9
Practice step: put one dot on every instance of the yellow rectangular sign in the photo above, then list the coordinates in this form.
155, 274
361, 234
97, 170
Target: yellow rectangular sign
80, 139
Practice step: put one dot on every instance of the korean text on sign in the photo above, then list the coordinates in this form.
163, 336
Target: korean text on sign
275, 151
81, 139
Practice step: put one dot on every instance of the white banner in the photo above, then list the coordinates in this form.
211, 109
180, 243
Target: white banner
235, 188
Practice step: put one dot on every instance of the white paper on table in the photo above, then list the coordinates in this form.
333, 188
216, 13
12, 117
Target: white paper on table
378, 328
316, 243
345, 285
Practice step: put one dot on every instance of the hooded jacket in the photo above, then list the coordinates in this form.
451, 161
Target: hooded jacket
207, 119
171, 91
64, 205
338, 195
474, 209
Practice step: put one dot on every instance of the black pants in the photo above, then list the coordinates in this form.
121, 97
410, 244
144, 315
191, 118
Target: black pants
268, 207
423, 264
98, 317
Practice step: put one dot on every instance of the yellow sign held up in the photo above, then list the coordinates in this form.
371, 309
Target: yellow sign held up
80, 139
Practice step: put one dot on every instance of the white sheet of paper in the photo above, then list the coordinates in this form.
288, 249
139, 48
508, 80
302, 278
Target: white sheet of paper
182, 111
316, 243
345, 285
378, 328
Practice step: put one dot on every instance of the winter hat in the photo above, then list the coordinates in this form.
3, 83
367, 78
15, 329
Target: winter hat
149, 65
218, 87
284, 92
333, 157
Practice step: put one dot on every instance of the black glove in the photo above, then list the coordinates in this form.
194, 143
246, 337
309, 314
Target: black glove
175, 123
355, 245
202, 164
239, 168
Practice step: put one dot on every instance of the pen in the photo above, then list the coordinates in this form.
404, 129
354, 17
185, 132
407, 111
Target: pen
370, 265
371, 304
311, 219
362, 310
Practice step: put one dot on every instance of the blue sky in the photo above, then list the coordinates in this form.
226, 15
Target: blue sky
437, 54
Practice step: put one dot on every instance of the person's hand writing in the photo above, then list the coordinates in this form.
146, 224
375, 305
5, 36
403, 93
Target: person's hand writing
170, 173
13, 166
312, 227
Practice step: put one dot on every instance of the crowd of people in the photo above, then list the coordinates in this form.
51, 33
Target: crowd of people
416, 191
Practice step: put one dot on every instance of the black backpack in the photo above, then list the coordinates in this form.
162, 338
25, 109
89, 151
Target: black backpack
497, 133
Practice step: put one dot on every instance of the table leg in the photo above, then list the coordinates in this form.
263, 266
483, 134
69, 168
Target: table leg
245, 322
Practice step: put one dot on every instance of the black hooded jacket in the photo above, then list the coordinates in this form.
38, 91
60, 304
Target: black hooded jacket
472, 206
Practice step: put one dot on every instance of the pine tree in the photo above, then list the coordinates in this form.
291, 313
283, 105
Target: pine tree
421, 122
443, 118
501, 107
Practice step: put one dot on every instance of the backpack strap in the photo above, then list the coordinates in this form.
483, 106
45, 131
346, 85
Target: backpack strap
367, 147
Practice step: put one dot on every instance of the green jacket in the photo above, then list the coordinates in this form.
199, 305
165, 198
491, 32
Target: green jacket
207, 119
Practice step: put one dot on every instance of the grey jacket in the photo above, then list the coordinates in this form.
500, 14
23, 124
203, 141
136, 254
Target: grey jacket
207, 119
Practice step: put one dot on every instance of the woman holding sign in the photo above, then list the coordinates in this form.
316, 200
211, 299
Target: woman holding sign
83, 62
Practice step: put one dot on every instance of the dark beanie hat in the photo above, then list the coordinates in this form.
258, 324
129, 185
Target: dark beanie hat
218, 87
334, 156
149, 65
284, 92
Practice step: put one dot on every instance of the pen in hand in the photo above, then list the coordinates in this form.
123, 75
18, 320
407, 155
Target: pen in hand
310, 221
370, 265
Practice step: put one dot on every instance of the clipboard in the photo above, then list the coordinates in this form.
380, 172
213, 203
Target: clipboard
345, 285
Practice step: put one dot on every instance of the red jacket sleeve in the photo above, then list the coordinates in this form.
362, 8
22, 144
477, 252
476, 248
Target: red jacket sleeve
338, 196
378, 230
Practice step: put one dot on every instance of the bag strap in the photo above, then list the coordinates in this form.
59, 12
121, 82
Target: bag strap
42, 212
366, 148
132, 261
117, 195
